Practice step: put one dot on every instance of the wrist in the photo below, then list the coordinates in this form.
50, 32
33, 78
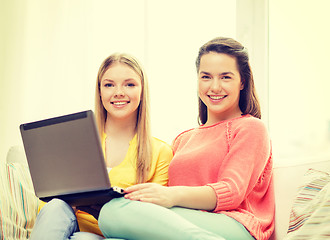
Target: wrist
175, 196
202, 197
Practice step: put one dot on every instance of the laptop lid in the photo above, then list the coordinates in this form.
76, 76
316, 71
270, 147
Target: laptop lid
65, 156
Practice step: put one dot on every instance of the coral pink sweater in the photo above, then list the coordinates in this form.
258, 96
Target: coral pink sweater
234, 157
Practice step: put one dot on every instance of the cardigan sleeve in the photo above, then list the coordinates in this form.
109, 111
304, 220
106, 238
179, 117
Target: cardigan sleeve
162, 156
246, 160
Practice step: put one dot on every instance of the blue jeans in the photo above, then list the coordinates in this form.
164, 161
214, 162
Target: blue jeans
125, 219
57, 221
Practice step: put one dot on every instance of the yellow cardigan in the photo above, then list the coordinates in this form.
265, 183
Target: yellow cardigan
124, 175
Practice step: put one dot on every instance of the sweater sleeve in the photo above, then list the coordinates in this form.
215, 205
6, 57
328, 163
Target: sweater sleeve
177, 141
247, 157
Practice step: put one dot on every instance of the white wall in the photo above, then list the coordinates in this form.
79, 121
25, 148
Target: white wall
51, 51
299, 80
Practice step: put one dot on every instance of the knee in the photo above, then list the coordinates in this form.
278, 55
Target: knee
55, 202
109, 211
55, 220
57, 206
112, 219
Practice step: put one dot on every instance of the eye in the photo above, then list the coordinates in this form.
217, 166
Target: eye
226, 77
130, 85
205, 77
108, 85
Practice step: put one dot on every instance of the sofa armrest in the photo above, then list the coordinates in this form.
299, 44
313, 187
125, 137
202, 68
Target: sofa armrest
18, 203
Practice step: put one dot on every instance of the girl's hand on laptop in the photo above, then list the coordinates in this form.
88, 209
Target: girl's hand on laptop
152, 193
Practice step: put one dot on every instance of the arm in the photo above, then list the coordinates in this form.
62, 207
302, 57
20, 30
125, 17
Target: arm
161, 158
203, 197
243, 166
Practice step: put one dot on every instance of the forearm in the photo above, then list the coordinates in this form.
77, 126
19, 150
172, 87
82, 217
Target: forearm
203, 198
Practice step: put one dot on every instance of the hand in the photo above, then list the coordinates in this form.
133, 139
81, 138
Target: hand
152, 193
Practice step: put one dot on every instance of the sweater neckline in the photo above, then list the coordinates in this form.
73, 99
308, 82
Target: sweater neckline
223, 122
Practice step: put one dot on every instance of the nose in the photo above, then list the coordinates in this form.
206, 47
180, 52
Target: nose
216, 85
119, 92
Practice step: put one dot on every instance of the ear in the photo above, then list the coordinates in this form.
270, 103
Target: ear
242, 86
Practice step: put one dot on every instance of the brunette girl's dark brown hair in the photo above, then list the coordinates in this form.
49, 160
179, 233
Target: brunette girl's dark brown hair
248, 101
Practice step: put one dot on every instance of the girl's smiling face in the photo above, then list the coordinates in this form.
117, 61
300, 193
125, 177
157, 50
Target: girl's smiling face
219, 86
120, 91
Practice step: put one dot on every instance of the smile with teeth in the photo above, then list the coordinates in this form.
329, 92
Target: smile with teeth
119, 103
217, 97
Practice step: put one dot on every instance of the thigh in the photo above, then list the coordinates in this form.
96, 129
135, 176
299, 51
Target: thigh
123, 218
220, 224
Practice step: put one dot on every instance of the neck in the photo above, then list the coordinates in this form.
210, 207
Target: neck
213, 118
120, 128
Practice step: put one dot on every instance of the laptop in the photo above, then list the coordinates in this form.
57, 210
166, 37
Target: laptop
66, 160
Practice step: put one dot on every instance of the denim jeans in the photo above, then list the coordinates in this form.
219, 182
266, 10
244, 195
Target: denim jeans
57, 221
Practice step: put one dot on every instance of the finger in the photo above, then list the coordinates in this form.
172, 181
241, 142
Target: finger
137, 187
133, 188
134, 195
138, 195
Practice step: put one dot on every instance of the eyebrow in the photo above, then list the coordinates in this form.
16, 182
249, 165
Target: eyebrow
126, 80
223, 73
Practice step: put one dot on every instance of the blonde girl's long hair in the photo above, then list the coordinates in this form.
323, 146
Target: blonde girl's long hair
144, 149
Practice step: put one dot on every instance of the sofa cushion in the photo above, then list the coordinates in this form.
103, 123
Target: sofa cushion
310, 214
288, 176
18, 203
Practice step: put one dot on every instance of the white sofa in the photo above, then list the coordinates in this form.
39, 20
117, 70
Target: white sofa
23, 204
18, 203
288, 175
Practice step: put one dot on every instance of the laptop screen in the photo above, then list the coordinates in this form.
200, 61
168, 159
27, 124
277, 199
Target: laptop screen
65, 155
